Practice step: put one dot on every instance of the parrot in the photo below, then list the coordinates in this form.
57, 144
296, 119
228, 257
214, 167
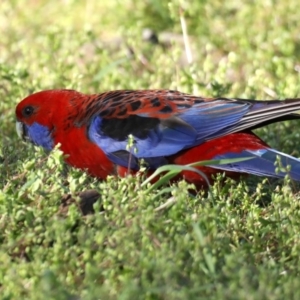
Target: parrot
163, 127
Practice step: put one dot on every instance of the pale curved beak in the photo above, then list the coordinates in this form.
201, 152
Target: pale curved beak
21, 130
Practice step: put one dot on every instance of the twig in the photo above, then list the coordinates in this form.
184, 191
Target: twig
187, 47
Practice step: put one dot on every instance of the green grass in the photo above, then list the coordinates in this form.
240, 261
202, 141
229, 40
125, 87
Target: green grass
240, 241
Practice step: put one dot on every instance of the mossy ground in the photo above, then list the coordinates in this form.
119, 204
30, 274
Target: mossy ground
241, 241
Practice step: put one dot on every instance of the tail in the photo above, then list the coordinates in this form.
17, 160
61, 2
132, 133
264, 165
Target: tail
262, 164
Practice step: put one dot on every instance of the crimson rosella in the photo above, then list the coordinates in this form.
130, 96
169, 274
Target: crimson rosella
166, 127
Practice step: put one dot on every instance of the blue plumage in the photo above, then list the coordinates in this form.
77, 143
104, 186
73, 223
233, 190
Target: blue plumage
209, 119
40, 135
160, 141
262, 164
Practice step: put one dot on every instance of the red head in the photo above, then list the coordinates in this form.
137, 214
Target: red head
49, 117
46, 107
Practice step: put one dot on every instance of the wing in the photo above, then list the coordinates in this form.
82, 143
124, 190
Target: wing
164, 122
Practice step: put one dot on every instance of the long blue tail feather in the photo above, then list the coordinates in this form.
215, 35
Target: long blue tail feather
263, 163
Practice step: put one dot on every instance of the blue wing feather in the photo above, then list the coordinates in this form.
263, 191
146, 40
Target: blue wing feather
209, 119
160, 142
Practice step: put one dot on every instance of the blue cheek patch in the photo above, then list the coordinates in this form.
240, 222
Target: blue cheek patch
40, 135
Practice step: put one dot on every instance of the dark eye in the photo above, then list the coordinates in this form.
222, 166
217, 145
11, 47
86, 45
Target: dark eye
28, 111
